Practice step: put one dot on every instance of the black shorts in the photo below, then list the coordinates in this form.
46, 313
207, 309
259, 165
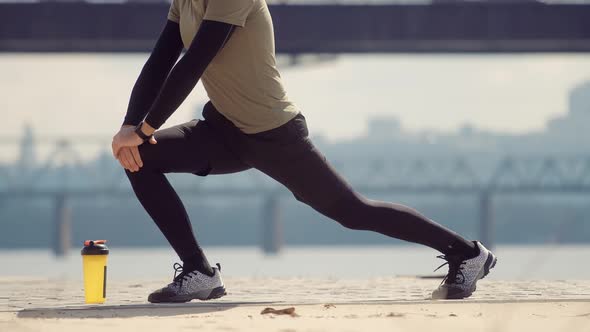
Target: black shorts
216, 146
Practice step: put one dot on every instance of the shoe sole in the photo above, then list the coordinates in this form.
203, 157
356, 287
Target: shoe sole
203, 295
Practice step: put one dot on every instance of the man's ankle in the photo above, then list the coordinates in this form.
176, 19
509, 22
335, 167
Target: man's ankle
199, 263
465, 249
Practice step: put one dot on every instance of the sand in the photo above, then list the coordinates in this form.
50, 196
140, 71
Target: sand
381, 304
531, 316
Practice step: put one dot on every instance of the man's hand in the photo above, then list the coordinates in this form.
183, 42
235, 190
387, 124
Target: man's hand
130, 159
125, 144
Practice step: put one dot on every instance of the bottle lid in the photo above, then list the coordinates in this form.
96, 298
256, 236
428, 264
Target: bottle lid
95, 247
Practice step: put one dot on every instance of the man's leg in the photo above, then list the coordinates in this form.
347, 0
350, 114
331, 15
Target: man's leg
287, 155
296, 163
191, 147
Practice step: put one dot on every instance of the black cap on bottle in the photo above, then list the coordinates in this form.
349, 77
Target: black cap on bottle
95, 247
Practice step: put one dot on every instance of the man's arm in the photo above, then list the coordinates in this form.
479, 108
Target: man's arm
154, 72
208, 41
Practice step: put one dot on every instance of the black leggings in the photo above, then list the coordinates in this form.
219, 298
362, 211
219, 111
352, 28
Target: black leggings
216, 146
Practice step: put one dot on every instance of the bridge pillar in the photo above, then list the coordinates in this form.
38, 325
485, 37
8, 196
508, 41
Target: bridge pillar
272, 230
486, 218
63, 226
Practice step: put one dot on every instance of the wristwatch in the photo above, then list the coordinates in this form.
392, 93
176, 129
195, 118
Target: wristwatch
140, 133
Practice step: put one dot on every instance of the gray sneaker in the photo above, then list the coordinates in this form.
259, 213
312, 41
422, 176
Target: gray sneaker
190, 285
463, 274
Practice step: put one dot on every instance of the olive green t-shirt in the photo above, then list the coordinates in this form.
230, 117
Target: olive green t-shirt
242, 81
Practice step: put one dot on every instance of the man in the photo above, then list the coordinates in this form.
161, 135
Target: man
249, 123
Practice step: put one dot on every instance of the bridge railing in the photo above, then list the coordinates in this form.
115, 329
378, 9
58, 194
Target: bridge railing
67, 166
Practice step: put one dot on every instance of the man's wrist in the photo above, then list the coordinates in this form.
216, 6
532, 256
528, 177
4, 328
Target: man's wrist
139, 131
147, 129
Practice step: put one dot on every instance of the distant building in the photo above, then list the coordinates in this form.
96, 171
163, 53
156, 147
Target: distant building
384, 127
579, 101
27, 158
577, 120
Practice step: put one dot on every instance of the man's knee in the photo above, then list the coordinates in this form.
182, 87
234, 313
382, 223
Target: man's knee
299, 198
145, 170
347, 208
149, 159
147, 154
349, 211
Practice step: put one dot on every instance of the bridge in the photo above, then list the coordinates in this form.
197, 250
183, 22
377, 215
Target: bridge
63, 174
439, 27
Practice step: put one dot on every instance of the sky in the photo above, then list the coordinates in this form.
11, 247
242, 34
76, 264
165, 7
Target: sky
69, 94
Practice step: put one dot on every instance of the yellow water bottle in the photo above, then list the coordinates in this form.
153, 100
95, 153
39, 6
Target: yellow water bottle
94, 259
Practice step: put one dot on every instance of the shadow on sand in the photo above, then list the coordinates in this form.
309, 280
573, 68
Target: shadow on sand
131, 310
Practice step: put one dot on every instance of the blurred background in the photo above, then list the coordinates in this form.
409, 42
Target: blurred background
475, 113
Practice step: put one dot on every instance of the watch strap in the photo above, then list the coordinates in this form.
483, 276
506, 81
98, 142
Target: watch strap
140, 133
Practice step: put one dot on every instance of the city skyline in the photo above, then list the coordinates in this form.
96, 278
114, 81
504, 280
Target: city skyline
88, 94
561, 134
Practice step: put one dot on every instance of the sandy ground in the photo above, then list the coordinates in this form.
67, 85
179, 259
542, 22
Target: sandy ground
554, 316
383, 304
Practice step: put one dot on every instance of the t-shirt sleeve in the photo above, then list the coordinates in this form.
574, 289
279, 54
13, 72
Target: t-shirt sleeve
233, 12
174, 12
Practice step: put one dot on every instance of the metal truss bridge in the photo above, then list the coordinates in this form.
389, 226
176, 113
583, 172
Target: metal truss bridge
65, 174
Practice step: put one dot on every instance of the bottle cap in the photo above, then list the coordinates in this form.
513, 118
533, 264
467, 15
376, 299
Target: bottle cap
95, 247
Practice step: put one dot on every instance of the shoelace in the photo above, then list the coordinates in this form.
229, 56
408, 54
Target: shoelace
180, 275
455, 270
